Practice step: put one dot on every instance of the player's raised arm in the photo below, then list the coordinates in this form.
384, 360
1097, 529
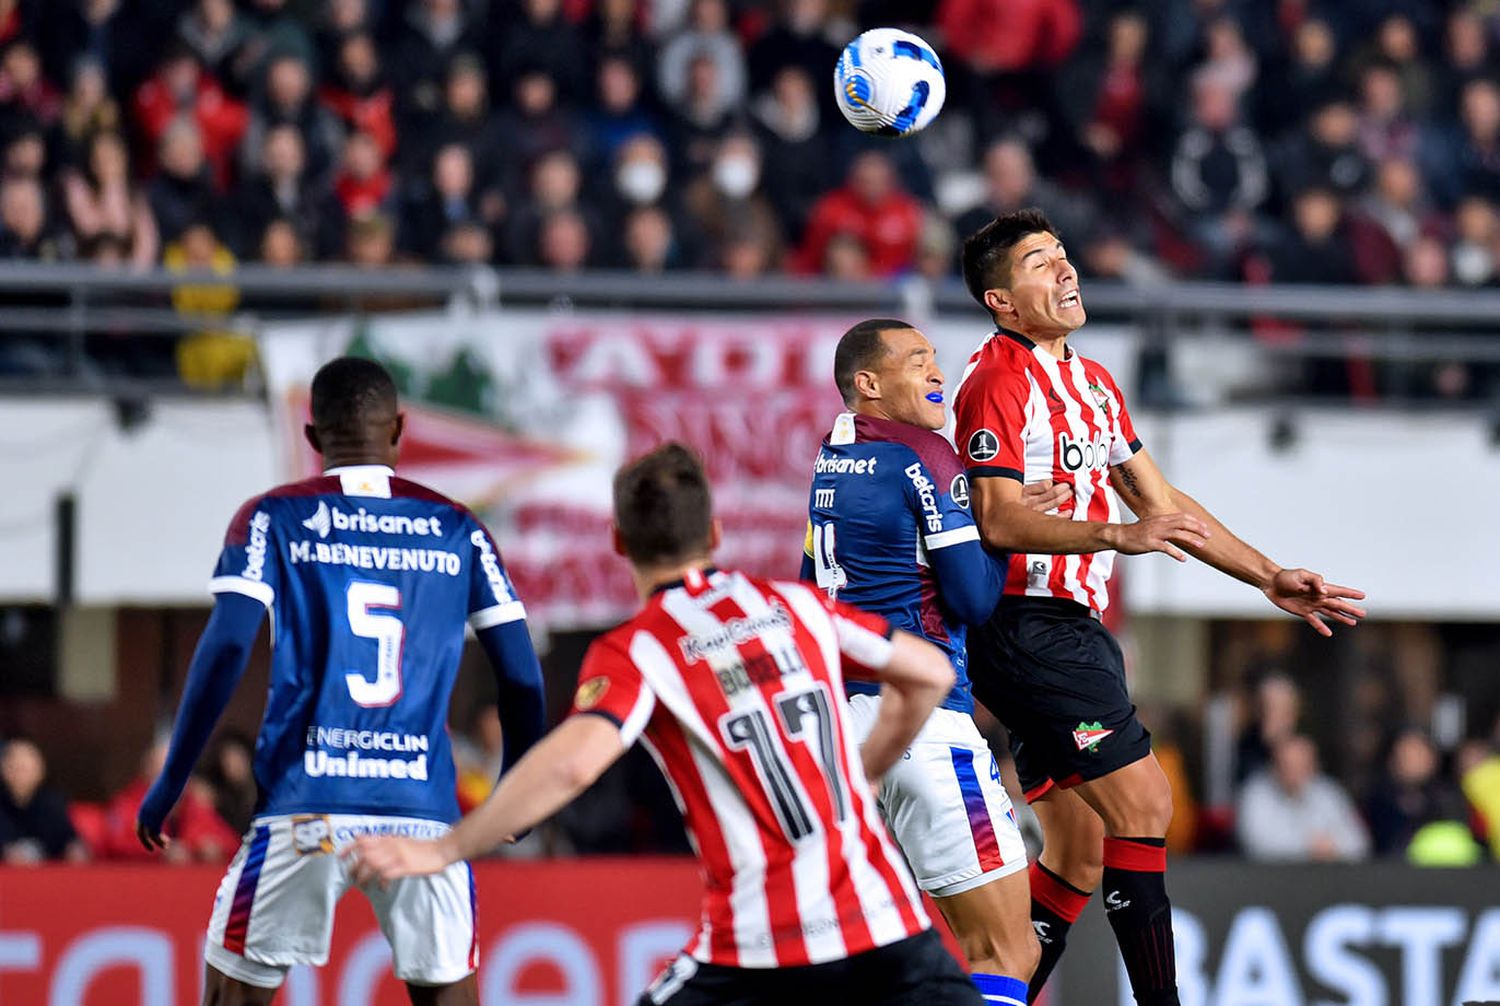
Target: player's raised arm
1301, 592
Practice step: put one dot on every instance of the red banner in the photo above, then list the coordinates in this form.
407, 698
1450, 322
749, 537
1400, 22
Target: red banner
588, 932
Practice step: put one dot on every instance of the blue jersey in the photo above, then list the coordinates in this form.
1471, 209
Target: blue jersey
889, 531
370, 580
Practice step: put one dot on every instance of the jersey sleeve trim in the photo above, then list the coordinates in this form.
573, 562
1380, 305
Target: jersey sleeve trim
1135, 446
262, 592
957, 536
640, 715
497, 614
995, 471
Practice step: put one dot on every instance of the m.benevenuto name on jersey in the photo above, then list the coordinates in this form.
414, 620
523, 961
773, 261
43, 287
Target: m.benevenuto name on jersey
425, 560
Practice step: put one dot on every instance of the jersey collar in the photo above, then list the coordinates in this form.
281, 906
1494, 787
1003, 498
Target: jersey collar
385, 470
363, 480
1018, 337
699, 578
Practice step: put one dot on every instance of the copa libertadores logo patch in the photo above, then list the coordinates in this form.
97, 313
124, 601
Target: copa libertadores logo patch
983, 445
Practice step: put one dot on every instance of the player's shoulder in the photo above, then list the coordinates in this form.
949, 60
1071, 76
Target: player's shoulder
1004, 359
929, 447
1098, 373
265, 503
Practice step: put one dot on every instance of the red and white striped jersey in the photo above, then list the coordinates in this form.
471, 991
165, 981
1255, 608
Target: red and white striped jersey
736, 687
1022, 413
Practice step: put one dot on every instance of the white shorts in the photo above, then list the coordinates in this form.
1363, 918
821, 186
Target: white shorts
275, 904
945, 804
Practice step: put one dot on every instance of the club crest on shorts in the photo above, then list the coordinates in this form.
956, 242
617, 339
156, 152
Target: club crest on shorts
312, 834
1088, 735
590, 692
983, 445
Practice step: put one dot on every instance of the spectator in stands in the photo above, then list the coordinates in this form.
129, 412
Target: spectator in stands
363, 185
1111, 252
466, 119
540, 38
287, 101
846, 258
800, 37
26, 231
1308, 81
707, 41
1468, 55
1386, 129
534, 124
34, 824
183, 190
432, 33
1108, 96
286, 188
277, 31
1292, 811
1325, 153
102, 199
1275, 710
1398, 44
1472, 257
218, 35
213, 357
872, 209
746, 254
556, 184
280, 245
341, 20
466, 242
449, 199
1466, 161
620, 111
937, 249
1425, 263
372, 242
649, 242
87, 109
198, 833
614, 28
1398, 202
792, 152
1227, 59
231, 773
1316, 249
564, 242
356, 91
1218, 175
1001, 53
703, 118
1410, 793
180, 89
728, 195
1011, 183
640, 176
26, 156
25, 94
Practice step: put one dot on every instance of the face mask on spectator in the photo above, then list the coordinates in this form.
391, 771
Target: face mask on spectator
641, 181
736, 176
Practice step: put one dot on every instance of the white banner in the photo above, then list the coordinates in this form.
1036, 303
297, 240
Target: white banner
525, 415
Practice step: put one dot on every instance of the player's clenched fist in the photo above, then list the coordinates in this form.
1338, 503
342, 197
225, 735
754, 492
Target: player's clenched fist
1158, 533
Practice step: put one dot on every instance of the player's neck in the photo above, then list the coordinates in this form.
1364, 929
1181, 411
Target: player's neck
1055, 343
651, 579
356, 459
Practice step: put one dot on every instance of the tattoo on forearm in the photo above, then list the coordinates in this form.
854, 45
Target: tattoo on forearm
1128, 480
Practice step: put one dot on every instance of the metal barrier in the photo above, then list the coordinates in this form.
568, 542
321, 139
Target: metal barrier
63, 306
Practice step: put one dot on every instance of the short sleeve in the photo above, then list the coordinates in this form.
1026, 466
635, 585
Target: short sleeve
864, 639
990, 423
610, 685
492, 598
1125, 443
937, 489
247, 563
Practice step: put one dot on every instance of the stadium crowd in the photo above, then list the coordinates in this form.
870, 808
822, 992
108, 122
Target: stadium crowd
1291, 141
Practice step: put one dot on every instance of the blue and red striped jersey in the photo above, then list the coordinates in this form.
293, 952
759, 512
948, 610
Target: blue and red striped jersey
370, 580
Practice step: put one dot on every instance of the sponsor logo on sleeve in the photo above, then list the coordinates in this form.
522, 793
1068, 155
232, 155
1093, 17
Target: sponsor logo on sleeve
590, 693
255, 549
927, 494
983, 446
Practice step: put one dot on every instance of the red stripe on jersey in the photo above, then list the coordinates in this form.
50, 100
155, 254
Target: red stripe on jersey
846, 900
1098, 508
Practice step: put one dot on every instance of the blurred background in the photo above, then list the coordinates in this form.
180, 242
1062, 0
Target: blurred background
573, 228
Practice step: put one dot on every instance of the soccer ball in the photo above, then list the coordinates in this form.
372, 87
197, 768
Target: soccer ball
889, 82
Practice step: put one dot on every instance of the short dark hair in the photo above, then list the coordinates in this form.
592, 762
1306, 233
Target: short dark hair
663, 507
987, 251
861, 348
348, 392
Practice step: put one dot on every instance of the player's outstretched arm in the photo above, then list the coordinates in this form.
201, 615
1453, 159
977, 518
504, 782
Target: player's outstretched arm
1008, 524
218, 663
914, 681
518, 675
1300, 592
561, 765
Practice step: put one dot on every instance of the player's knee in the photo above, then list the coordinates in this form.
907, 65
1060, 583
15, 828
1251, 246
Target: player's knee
1148, 811
1013, 954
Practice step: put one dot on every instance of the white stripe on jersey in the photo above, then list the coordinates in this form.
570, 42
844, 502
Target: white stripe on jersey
957, 536
497, 614
260, 591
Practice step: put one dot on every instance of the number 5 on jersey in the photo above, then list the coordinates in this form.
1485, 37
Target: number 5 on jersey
369, 607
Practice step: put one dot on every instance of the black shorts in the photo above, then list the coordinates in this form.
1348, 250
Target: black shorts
917, 971
1053, 674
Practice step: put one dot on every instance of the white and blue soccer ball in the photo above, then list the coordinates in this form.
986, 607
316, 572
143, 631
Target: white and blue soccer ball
889, 82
